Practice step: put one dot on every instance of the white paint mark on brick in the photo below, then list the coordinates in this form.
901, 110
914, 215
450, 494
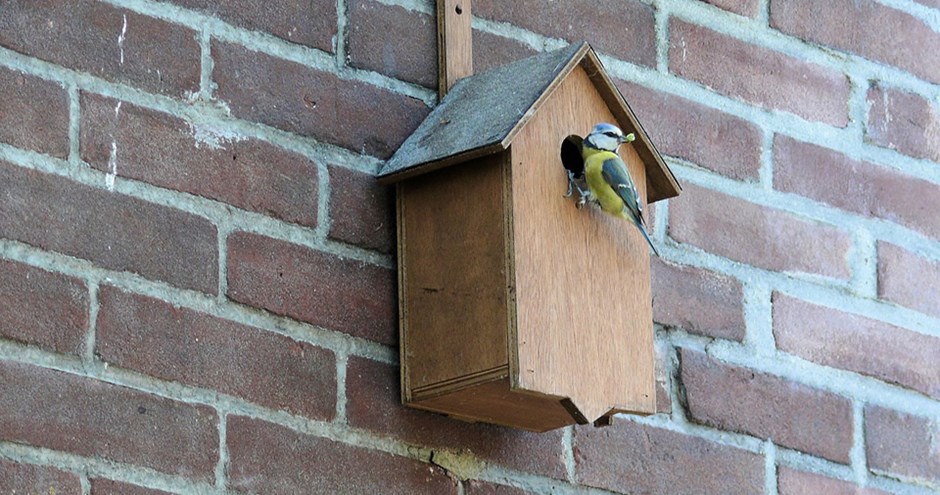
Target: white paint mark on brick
213, 137
112, 157
122, 37
884, 101
112, 167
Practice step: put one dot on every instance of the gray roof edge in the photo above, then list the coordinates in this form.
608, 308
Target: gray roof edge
413, 152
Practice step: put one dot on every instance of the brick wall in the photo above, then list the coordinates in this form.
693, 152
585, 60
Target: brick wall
197, 290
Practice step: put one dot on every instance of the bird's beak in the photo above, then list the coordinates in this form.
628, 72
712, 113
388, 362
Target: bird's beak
627, 138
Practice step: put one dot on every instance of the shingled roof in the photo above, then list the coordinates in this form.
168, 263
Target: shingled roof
482, 114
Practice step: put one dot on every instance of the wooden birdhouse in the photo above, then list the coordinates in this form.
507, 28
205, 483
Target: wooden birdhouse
516, 307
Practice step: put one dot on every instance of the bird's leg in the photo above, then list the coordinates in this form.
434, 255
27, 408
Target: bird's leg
586, 196
571, 185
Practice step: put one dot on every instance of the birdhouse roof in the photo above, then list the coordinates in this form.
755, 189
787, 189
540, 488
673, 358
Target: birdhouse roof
483, 113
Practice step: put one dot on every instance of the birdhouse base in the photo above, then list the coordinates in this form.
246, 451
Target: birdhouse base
494, 401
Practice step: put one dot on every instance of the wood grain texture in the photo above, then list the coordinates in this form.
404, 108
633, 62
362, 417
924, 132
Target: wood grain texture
494, 402
454, 43
584, 312
453, 253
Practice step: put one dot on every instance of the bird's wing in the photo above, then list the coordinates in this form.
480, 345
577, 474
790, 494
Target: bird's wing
615, 173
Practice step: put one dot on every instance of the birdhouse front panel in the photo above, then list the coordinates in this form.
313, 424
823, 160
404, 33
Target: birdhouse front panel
583, 307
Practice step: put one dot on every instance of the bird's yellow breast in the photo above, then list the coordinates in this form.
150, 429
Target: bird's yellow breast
610, 201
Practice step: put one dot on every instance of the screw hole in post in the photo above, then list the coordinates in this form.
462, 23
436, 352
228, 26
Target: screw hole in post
458, 10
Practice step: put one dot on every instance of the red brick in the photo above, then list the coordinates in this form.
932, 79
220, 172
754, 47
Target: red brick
112, 230
372, 391
267, 458
747, 8
319, 288
865, 27
361, 210
902, 444
169, 152
683, 128
757, 75
158, 56
412, 54
908, 279
697, 300
473, 487
904, 121
833, 338
491, 51
194, 348
29, 479
311, 23
624, 29
58, 411
861, 187
793, 482
42, 308
100, 486
634, 458
791, 414
306, 101
757, 235
24, 123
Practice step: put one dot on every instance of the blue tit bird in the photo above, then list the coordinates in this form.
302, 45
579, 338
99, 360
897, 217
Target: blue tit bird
607, 177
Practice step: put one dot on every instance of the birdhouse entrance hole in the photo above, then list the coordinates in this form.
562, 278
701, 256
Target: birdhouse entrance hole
571, 155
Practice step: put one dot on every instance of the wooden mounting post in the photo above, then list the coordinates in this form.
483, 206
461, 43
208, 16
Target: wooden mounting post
454, 43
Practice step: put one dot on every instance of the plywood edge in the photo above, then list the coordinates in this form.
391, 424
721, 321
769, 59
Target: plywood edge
512, 327
402, 302
448, 386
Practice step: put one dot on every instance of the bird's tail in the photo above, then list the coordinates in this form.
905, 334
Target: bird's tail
647, 237
638, 221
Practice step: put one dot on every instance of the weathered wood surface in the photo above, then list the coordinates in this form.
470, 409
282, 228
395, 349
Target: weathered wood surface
454, 43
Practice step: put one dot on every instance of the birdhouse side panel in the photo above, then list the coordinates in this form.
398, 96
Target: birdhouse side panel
452, 236
584, 313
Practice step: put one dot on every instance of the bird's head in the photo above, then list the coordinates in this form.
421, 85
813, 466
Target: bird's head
607, 137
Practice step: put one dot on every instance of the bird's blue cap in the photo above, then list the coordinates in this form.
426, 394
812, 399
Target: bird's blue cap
605, 127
